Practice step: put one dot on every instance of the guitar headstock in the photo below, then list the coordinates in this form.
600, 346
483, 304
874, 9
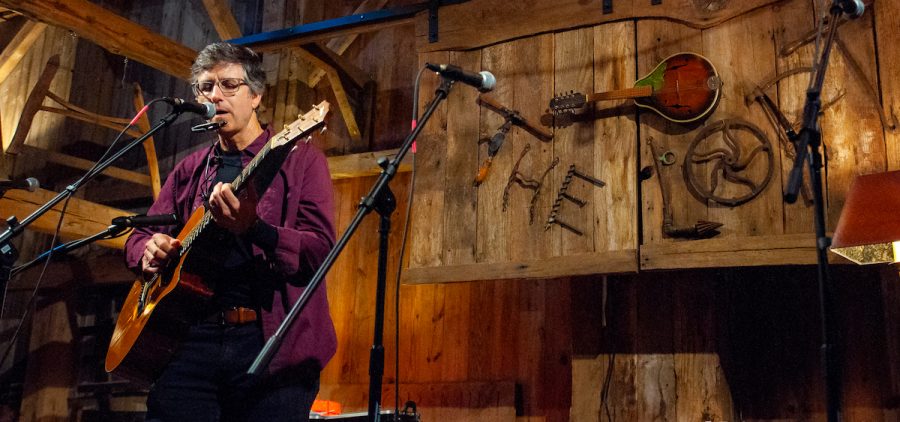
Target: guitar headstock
304, 125
572, 100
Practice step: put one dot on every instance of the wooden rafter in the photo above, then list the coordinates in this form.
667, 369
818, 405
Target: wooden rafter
32, 106
34, 103
222, 19
110, 31
149, 145
82, 164
324, 59
340, 44
83, 218
16, 49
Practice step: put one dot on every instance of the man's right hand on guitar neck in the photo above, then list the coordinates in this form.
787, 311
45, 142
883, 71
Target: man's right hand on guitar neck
157, 251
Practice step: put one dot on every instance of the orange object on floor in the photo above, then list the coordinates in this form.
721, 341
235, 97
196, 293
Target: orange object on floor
326, 407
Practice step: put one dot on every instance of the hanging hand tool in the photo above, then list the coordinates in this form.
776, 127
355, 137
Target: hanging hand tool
511, 117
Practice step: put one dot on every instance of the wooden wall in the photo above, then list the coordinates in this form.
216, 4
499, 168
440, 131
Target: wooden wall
528, 343
624, 219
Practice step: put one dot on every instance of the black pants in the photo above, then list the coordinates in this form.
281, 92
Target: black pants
207, 381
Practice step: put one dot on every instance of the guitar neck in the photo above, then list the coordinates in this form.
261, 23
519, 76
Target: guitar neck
237, 186
622, 94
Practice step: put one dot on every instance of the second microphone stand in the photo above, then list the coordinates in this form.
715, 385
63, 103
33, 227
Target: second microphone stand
808, 146
381, 200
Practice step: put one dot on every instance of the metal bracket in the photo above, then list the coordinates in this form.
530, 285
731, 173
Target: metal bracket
607, 7
433, 20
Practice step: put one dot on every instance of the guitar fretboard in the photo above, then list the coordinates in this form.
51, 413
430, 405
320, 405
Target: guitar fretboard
284, 139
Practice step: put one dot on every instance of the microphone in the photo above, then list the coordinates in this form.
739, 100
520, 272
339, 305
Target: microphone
852, 8
30, 184
205, 110
484, 81
142, 220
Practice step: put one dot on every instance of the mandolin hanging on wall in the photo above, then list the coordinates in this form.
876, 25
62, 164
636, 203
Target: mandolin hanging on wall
682, 88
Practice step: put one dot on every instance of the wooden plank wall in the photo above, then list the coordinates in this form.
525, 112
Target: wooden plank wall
492, 332
602, 142
683, 345
730, 344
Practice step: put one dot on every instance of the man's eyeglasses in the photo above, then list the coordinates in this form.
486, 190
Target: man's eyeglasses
227, 86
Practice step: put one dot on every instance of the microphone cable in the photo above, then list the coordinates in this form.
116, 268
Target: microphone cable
406, 225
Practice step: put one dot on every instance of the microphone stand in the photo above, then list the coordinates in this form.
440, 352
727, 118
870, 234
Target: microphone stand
381, 200
9, 254
110, 232
809, 143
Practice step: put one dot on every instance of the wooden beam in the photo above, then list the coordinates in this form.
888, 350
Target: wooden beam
32, 106
83, 218
363, 164
322, 56
90, 118
149, 146
340, 95
82, 164
750, 251
476, 24
624, 261
16, 49
340, 44
222, 19
110, 31
266, 46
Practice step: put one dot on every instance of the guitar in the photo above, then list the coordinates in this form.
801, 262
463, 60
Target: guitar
157, 312
682, 88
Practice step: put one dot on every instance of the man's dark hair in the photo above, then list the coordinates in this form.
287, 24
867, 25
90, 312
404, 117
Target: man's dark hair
222, 52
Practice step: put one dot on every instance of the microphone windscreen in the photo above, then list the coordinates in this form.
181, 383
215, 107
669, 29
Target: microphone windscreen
488, 81
210, 110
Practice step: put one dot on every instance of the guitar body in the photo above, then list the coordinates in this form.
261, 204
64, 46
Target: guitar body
146, 335
685, 88
682, 88
157, 313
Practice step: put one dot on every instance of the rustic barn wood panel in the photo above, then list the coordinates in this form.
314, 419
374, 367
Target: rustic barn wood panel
495, 21
602, 142
511, 242
460, 225
851, 130
887, 33
426, 234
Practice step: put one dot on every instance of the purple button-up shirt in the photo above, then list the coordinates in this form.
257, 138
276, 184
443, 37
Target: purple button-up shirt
299, 204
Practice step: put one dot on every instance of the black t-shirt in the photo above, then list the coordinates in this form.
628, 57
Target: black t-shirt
233, 285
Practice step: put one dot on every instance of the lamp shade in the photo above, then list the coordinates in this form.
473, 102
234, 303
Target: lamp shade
870, 220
